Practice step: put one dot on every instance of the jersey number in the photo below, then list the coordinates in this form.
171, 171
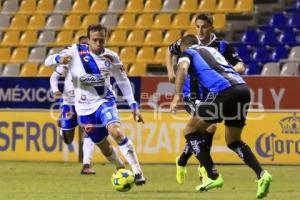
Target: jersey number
108, 115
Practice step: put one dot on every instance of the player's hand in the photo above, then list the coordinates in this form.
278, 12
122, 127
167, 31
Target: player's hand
65, 59
173, 105
172, 78
57, 94
137, 116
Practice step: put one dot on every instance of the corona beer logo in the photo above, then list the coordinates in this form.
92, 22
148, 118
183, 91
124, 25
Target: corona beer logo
269, 145
274, 144
290, 125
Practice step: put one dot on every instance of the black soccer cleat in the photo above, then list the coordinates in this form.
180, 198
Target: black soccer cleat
139, 179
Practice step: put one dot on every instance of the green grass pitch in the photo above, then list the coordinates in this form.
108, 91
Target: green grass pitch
62, 181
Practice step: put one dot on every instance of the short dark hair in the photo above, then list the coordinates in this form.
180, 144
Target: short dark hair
96, 28
82, 37
189, 40
205, 17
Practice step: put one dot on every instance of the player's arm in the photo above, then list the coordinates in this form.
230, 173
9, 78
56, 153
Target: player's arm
240, 68
63, 57
182, 71
171, 52
181, 74
169, 64
125, 87
234, 59
54, 80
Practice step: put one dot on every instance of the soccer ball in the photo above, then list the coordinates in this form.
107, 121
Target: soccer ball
122, 180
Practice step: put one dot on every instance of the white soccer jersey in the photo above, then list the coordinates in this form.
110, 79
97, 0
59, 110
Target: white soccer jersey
87, 86
68, 92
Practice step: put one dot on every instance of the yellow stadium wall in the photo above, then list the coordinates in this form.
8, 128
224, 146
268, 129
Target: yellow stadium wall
274, 137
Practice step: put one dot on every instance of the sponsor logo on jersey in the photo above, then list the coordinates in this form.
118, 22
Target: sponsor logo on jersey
83, 52
83, 97
107, 63
86, 59
92, 79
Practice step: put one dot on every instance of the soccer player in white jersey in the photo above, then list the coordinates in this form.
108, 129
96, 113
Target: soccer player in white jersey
68, 118
91, 67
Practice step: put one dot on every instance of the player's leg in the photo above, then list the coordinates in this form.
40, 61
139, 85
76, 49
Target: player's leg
87, 149
202, 153
110, 152
235, 116
208, 135
67, 135
234, 142
201, 144
181, 161
67, 123
98, 134
128, 151
208, 138
111, 120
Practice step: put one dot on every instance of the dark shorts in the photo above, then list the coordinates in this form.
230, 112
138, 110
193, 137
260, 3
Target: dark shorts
68, 117
230, 105
95, 124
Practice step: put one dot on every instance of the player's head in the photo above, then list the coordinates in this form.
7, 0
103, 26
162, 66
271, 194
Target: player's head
188, 41
96, 34
83, 39
204, 26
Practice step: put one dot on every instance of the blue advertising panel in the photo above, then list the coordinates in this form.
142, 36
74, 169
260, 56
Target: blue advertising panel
25, 93
36, 93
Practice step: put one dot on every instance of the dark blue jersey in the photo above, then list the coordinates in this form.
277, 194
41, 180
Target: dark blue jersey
192, 90
223, 47
210, 68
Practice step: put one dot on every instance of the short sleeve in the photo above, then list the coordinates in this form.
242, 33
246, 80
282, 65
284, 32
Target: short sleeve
184, 57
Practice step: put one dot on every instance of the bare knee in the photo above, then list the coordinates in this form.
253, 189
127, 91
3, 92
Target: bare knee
115, 132
212, 128
191, 126
196, 124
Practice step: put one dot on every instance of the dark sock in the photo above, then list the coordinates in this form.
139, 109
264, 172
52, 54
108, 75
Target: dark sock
186, 154
245, 153
202, 153
208, 137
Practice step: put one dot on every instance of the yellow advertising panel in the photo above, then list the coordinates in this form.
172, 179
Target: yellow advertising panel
273, 137
33, 136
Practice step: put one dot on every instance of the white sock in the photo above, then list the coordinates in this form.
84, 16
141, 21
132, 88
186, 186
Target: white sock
115, 159
129, 153
88, 150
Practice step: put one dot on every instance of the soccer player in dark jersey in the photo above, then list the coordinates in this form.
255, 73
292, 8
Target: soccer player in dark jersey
228, 99
206, 37
193, 93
